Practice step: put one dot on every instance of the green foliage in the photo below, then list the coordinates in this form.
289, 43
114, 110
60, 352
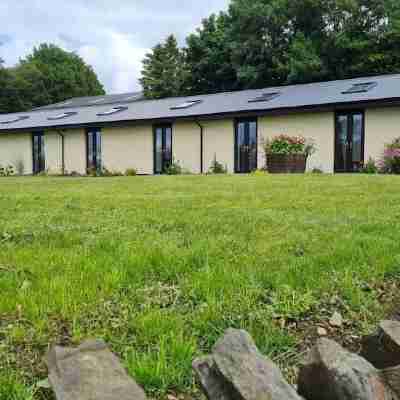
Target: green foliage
7, 171
12, 389
217, 167
370, 167
46, 76
284, 144
164, 70
130, 172
174, 168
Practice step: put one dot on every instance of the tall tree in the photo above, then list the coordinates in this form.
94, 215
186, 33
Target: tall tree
164, 70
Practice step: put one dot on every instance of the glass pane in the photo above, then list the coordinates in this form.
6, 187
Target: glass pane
240, 145
42, 153
168, 146
158, 150
357, 138
253, 145
341, 141
90, 150
98, 150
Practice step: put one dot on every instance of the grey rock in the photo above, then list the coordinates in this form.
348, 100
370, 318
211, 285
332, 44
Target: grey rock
382, 349
90, 372
392, 378
237, 370
332, 373
336, 321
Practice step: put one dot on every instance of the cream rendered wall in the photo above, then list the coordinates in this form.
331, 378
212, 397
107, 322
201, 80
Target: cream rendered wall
128, 147
319, 126
219, 141
16, 149
74, 151
382, 125
186, 145
52, 148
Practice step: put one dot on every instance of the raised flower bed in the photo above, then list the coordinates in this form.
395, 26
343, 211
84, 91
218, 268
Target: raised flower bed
287, 154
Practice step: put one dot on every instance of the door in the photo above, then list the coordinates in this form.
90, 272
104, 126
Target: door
245, 145
162, 148
94, 162
349, 141
39, 163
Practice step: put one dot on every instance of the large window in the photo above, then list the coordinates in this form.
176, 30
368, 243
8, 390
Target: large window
162, 148
39, 163
94, 150
245, 145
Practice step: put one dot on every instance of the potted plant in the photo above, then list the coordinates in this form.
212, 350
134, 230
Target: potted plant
287, 154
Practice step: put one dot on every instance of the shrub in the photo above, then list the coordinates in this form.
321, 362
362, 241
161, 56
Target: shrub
110, 173
174, 168
390, 162
317, 171
284, 144
130, 172
217, 167
7, 171
370, 167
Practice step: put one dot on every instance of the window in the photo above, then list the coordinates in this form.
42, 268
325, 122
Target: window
361, 87
162, 148
111, 111
96, 101
245, 145
265, 97
15, 119
38, 154
94, 149
186, 104
62, 115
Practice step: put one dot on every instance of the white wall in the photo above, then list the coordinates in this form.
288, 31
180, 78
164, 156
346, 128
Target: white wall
16, 149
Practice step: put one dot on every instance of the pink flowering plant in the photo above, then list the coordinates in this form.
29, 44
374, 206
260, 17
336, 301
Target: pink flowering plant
284, 144
390, 162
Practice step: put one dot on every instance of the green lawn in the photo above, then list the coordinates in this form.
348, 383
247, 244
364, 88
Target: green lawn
160, 266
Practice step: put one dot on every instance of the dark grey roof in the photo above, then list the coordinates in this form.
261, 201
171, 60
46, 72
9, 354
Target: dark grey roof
295, 97
94, 101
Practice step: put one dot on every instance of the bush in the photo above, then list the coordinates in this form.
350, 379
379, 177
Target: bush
174, 168
7, 171
317, 171
370, 167
390, 162
131, 172
217, 167
284, 144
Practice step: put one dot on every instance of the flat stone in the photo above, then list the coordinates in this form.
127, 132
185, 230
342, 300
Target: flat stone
382, 349
236, 370
336, 320
322, 331
90, 372
332, 373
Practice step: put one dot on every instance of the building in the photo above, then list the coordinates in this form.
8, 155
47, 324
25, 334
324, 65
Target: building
349, 120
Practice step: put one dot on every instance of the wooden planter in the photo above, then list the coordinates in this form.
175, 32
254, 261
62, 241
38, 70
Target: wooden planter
286, 163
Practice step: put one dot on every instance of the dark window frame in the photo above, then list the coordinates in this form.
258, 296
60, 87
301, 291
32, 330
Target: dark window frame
161, 126
349, 114
98, 163
39, 159
237, 121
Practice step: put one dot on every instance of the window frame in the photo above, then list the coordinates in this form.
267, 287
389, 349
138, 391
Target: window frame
98, 163
237, 121
39, 159
163, 126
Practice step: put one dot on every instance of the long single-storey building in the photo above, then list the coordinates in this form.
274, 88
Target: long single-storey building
349, 121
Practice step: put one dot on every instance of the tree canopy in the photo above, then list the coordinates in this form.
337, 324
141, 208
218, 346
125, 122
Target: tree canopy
46, 76
260, 43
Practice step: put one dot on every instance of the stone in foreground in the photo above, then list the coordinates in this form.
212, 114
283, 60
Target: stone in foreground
383, 348
333, 373
236, 370
90, 372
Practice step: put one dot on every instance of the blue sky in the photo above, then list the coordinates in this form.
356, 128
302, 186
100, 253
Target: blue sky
111, 35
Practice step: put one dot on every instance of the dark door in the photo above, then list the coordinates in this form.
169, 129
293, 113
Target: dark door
162, 148
245, 145
94, 150
349, 141
39, 163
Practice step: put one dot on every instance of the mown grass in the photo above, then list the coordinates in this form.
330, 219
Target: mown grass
160, 266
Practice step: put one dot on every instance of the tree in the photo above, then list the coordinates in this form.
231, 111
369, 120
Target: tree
164, 70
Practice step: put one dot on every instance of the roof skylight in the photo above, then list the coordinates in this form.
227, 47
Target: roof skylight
111, 111
186, 104
265, 97
15, 119
96, 101
361, 87
132, 97
62, 115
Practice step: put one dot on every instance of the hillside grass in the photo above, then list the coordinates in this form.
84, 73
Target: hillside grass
159, 267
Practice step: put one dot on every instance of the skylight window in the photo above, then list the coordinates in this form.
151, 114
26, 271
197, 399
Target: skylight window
186, 104
265, 97
361, 87
132, 97
97, 101
62, 115
111, 111
15, 119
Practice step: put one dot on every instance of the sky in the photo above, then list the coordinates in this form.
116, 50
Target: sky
112, 36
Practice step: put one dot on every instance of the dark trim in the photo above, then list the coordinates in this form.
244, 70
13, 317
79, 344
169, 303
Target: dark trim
162, 126
236, 123
349, 129
41, 168
201, 146
391, 102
